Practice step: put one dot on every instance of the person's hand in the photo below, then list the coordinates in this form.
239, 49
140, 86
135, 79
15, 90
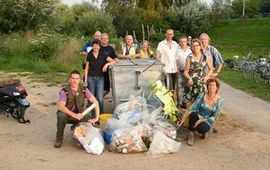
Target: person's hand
205, 79
78, 116
179, 123
92, 121
105, 67
85, 84
214, 74
157, 58
198, 122
190, 81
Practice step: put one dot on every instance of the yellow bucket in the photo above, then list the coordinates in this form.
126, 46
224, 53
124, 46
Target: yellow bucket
103, 118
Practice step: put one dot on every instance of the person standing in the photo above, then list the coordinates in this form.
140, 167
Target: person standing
96, 65
107, 51
88, 46
196, 64
71, 106
182, 54
166, 54
211, 52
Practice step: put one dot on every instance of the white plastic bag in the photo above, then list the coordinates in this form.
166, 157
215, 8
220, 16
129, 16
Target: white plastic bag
90, 138
162, 144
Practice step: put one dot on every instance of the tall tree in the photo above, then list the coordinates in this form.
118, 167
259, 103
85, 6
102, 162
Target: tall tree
252, 7
25, 14
221, 10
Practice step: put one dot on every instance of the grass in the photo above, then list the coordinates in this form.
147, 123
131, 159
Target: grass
238, 37
236, 80
16, 56
235, 37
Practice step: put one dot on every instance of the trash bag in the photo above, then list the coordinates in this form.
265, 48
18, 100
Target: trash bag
162, 144
89, 137
138, 103
110, 126
129, 140
163, 125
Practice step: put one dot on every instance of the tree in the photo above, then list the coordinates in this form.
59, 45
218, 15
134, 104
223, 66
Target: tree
252, 7
265, 6
221, 10
193, 18
25, 15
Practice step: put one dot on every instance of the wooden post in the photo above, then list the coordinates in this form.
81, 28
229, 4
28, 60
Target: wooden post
143, 35
148, 32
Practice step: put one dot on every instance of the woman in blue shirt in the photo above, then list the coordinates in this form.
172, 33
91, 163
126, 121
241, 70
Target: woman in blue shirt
205, 110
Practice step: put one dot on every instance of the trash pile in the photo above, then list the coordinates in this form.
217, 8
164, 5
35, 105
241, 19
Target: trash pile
138, 127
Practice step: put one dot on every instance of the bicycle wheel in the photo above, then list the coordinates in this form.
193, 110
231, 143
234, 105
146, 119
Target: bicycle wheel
268, 83
257, 77
245, 70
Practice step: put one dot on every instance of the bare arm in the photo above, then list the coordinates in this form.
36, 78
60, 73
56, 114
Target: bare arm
86, 72
219, 67
210, 67
158, 56
110, 63
93, 100
186, 74
62, 107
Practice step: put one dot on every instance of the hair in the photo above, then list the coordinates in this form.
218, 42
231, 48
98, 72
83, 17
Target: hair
149, 47
183, 37
128, 35
213, 80
95, 41
198, 41
169, 30
105, 34
204, 35
74, 72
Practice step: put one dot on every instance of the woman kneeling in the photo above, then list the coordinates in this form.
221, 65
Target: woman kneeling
205, 110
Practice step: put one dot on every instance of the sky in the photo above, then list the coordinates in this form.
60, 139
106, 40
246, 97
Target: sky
71, 2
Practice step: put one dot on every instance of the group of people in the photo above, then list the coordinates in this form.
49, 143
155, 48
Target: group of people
191, 66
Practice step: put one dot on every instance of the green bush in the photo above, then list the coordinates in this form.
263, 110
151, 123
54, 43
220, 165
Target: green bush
157, 37
93, 21
46, 45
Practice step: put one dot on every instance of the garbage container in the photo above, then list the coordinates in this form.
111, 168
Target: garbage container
133, 77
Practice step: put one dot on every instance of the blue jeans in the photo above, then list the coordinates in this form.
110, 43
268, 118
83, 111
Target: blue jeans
96, 86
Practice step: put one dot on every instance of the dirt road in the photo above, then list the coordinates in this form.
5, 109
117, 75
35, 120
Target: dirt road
240, 144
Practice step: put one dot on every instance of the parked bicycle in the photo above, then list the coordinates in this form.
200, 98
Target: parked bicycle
248, 66
261, 74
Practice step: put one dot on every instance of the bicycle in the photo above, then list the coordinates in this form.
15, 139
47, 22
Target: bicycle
261, 74
248, 66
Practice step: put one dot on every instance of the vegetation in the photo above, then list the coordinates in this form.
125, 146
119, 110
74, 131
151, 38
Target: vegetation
45, 36
238, 37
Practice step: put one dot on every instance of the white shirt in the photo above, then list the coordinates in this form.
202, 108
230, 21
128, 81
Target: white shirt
168, 56
182, 57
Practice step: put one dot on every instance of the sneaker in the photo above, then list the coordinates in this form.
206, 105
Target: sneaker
190, 140
79, 145
58, 143
204, 136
